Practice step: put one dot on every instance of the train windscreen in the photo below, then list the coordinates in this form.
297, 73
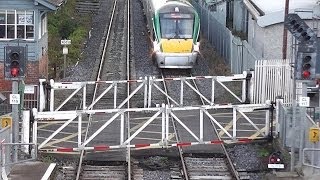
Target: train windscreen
176, 25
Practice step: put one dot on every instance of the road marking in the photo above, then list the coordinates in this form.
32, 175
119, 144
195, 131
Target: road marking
255, 135
61, 132
227, 127
75, 142
137, 126
64, 139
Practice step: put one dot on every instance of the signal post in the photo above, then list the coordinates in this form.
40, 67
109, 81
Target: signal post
305, 71
14, 70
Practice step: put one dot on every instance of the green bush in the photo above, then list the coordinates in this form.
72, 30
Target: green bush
65, 23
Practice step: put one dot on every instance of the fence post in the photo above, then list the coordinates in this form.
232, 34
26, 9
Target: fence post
246, 87
42, 99
278, 124
25, 130
52, 95
268, 102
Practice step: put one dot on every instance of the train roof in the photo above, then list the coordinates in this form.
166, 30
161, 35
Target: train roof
157, 4
272, 11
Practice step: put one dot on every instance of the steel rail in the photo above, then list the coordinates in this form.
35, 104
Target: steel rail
184, 168
96, 86
233, 169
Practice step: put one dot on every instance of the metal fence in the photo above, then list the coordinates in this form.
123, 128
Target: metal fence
5, 137
295, 130
271, 79
29, 100
5, 106
236, 52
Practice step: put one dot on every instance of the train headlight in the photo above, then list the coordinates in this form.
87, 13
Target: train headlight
196, 47
156, 46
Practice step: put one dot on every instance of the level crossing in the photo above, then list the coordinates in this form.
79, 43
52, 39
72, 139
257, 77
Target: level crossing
148, 125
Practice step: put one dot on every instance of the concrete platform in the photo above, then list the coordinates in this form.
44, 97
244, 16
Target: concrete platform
32, 170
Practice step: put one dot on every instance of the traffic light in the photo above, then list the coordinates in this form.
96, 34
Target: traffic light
299, 29
15, 60
306, 65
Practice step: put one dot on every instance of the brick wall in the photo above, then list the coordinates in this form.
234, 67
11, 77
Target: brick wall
4, 85
43, 67
32, 74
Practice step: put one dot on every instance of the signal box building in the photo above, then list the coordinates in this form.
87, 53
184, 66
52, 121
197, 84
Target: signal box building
24, 23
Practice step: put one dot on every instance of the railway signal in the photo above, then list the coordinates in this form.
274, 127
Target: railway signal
306, 65
299, 29
15, 60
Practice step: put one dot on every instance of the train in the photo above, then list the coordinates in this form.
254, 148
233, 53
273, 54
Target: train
174, 27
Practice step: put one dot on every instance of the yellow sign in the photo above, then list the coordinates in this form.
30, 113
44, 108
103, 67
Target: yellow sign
314, 134
6, 121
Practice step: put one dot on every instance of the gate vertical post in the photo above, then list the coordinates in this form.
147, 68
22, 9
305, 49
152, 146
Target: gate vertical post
42, 99
212, 90
122, 128
163, 125
150, 82
247, 87
181, 91
115, 91
234, 122
52, 95
244, 88
166, 110
34, 131
79, 129
145, 99
201, 125
84, 98
268, 102
278, 124
271, 109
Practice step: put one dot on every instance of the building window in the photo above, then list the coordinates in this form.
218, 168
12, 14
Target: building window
16, 24
43, 25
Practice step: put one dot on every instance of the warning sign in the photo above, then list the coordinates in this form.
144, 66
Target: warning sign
314, 134
6, 121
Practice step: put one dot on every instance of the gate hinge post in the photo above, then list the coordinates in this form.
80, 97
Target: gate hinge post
247, 87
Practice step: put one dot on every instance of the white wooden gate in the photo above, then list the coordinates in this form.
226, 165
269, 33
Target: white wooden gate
272, 78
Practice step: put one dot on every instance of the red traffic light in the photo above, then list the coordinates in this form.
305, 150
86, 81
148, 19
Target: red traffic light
14, 72
306, 74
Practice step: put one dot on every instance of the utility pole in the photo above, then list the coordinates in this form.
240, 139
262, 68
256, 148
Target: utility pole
285, 32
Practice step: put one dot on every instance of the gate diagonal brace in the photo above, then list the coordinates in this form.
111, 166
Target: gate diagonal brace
165, 110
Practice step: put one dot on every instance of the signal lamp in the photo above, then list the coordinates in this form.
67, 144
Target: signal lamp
306, 74
14, 72
14, 64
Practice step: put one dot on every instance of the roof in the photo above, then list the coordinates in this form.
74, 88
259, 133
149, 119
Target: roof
56, 2
51, 4
272, 11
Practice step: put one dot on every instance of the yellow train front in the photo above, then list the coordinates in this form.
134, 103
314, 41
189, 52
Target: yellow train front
175, 34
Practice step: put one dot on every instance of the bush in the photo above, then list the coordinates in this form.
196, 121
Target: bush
65, 23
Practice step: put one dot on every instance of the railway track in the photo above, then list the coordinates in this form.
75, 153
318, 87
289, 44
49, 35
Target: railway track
111, 66
194, 167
